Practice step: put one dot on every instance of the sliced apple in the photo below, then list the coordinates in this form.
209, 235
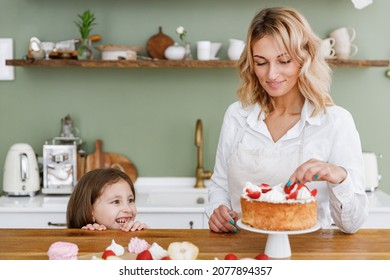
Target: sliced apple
183, 251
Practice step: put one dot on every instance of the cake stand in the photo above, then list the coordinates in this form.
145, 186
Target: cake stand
278, 244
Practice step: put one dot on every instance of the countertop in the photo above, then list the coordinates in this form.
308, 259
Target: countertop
324, 244
167, 194
379, 201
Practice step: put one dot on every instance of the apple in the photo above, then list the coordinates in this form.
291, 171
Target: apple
182, 251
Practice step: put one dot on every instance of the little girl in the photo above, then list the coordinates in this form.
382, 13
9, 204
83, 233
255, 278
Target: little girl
103, 199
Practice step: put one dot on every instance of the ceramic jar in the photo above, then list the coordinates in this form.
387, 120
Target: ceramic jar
175, 52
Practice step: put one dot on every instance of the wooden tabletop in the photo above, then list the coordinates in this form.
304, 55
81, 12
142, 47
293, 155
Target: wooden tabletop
324, 244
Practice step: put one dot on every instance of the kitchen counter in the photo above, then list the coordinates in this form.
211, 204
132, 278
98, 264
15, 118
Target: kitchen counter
324, 244
162, 203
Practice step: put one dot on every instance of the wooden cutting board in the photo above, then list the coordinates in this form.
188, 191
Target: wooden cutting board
100, 159
157, 44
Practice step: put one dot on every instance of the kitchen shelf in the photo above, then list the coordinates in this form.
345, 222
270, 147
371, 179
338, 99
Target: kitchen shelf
169, 63
123, 63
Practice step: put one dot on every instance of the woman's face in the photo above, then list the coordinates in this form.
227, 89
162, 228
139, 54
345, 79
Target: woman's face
276, 70
115, 206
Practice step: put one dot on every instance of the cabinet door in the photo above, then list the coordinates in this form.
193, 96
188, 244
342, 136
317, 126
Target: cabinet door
172, 220
377, 220
32, 220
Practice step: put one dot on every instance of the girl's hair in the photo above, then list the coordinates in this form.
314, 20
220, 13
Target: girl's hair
87, 191
292, 33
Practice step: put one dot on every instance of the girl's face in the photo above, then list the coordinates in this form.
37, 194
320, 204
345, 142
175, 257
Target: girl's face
276, 70
115, 206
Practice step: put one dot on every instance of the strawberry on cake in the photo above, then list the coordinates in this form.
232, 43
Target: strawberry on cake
279, 208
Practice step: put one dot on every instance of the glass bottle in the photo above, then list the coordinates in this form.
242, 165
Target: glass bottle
188, 54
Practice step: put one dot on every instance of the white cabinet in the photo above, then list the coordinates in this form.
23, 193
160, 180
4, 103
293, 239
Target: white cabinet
160, 205
155, 220
32, 220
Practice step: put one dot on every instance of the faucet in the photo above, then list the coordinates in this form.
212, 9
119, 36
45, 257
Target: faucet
200, 173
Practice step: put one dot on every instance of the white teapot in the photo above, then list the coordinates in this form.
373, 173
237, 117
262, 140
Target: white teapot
235, 49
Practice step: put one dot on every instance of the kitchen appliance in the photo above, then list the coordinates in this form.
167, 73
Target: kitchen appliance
59, 166
21, 173
371, 170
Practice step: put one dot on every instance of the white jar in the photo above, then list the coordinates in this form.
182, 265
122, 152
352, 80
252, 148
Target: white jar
175, 52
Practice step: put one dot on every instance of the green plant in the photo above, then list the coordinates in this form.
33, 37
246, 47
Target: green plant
85, 22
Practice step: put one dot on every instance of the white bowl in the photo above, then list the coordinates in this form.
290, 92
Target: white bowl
110, 52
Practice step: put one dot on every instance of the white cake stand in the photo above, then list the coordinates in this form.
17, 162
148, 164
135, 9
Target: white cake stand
278, 244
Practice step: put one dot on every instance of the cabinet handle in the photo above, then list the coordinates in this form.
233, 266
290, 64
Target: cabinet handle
56, 224
191, 224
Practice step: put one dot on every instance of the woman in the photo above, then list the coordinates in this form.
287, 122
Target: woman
103, 199
285, 127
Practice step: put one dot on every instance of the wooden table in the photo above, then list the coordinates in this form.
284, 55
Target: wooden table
324, 244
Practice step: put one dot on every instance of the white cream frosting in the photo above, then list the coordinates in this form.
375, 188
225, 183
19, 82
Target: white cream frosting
157, 251
277, 194
116, 248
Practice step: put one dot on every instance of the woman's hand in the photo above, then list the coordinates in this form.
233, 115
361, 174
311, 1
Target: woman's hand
223, 220
315, 170
133, 226
94, 226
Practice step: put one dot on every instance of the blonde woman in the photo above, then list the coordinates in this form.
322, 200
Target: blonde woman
285, 127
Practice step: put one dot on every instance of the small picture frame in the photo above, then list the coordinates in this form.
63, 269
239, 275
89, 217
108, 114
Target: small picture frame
6, 52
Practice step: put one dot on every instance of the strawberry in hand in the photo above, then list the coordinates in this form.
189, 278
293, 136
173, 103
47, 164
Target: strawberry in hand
288, 189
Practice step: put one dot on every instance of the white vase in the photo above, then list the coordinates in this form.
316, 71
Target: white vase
235, 49
175, 52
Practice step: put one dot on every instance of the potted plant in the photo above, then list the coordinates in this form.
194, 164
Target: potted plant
85, 22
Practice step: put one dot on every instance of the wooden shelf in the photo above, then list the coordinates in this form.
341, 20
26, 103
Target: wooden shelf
358, 63
169, 63
123, 63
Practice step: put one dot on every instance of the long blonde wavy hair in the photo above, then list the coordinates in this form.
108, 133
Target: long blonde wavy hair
292, 33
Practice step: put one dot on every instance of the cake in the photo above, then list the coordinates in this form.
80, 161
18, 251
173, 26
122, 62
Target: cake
279, 208
63, 251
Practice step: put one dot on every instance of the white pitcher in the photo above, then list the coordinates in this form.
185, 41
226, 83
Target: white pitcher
235, 49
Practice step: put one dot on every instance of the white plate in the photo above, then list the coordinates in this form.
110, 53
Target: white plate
249, 228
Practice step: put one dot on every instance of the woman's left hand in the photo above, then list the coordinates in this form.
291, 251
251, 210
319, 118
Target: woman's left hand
316, 170
133, 226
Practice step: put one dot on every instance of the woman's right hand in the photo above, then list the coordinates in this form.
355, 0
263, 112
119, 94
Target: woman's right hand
223, 220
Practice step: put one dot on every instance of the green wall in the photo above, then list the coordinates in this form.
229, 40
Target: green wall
149, 115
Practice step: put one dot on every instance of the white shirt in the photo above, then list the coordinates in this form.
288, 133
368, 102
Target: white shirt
331, 137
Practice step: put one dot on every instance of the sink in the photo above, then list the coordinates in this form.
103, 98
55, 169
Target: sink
169, 192
171, 199
55, 201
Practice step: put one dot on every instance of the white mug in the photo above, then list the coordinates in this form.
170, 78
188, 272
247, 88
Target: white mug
344, 37
203, 50
327, 49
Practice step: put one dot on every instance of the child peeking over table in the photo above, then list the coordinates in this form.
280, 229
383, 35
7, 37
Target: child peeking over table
103, 199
